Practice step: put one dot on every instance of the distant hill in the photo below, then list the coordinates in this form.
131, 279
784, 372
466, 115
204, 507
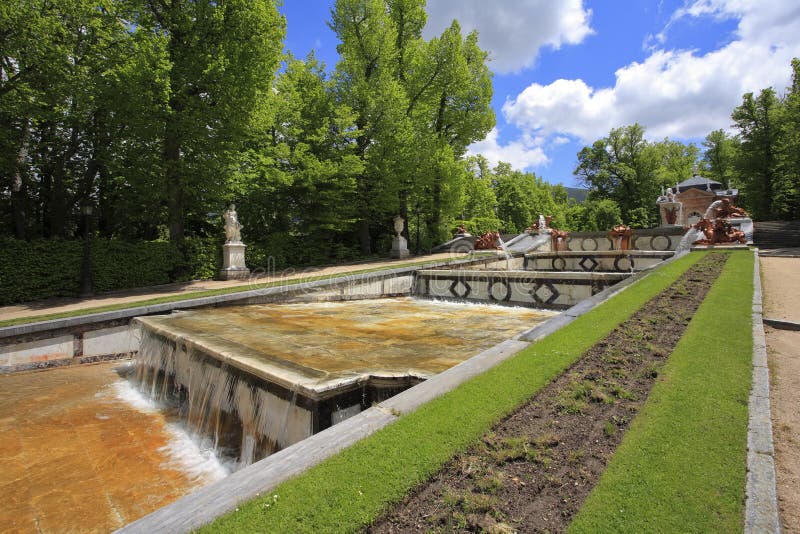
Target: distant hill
578, 194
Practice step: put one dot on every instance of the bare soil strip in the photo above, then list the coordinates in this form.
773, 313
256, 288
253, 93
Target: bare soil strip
533, 470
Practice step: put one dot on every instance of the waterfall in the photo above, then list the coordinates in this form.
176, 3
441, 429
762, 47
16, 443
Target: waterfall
712, 210
242, 418
542, 224
506, 252
689, 237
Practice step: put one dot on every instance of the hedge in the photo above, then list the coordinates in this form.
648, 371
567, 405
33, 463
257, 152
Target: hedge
45, 268
48, 268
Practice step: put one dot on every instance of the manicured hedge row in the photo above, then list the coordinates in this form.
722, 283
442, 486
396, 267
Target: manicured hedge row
47, 268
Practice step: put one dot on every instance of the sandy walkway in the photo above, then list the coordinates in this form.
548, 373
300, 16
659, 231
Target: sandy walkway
48, 307
781, 286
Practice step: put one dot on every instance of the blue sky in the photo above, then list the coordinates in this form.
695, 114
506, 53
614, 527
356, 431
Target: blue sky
567, 71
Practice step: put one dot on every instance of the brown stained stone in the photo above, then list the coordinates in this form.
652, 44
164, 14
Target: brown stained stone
533, 470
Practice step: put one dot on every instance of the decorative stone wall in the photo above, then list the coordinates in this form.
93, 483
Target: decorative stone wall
555, 291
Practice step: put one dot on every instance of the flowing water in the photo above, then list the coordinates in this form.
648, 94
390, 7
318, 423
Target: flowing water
83, 451
87, 449
506, 252
688, 238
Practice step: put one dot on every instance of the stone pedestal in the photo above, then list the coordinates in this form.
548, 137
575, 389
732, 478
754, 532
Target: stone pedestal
399, 247
233, 267
671, 213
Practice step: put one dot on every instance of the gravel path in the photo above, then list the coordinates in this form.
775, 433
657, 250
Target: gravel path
781, 286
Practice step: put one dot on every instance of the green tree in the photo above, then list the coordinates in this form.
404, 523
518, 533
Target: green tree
758, 122
593, 216
418, 106
787, 197
719, 155
622, 167
677, 161
57, 69
218, 66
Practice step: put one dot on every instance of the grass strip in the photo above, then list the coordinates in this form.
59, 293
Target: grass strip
207, 293
350, 489
681, 467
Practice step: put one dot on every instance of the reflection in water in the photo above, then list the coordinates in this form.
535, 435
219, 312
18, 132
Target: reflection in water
82, 450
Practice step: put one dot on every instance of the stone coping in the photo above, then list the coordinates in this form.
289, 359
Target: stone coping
761, 500
602, 254
521, 275
309, 382
289, 287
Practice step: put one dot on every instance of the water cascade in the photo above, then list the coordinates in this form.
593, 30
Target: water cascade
506, 252
692, 235
711, 212
244, 419
255, 379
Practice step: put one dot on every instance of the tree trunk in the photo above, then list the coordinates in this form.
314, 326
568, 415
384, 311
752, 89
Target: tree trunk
364, 238
175, 189
19, 186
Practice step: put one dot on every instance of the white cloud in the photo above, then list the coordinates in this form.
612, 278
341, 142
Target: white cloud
513, 31
675, 93
522, 154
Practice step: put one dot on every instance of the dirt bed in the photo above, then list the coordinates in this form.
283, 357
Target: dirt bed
533, 470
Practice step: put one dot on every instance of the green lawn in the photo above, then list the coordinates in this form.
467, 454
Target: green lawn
209, 293
681, 466
350, 489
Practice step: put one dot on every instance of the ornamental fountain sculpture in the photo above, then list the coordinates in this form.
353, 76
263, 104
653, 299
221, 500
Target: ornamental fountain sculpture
620, 237
715, 226
671, 209
233, 261
487, 241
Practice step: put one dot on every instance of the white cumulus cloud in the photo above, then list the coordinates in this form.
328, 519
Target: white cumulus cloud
675, 93
513, 31
524, 153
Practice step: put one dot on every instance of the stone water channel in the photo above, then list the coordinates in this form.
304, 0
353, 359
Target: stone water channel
92, 448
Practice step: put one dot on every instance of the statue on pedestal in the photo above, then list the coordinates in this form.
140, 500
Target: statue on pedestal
399, 243
233, 263
233, 228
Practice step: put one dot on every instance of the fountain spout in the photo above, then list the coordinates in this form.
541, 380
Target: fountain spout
506, 252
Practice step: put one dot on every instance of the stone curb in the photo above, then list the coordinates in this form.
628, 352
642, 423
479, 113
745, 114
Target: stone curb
761, 503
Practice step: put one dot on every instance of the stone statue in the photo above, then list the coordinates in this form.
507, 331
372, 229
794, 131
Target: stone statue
399, 243
487, 241
233, 251
541, 227
461, 231
233, 228
728, 210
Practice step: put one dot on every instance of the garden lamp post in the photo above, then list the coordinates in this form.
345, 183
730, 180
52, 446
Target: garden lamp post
86, 268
